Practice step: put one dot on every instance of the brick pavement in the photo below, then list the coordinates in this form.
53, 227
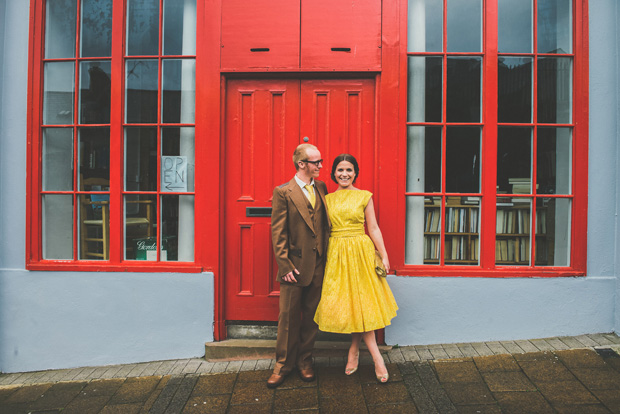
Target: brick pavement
558, 375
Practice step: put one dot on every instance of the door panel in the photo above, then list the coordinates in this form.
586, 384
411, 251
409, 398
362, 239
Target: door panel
264, 121
338, 115
262, 131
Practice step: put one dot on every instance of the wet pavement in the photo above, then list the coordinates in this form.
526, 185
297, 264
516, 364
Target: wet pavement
579, 380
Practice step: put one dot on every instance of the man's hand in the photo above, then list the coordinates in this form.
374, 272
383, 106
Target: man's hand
290, 276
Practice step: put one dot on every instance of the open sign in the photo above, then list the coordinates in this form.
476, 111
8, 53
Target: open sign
173, 173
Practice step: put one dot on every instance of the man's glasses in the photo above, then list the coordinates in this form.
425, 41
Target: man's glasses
316, 163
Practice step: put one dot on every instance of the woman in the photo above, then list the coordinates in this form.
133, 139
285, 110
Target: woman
354, 299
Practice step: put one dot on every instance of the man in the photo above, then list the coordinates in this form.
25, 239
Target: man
300, 232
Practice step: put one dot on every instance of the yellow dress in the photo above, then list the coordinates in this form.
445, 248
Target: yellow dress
354, 298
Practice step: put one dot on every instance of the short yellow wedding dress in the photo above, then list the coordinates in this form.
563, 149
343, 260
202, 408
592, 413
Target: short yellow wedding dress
354, 298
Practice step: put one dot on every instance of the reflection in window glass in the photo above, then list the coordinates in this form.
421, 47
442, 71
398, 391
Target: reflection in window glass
179, 36
423, 227
463, 160
177, 233
58, 93
462, 230
141, 91
464, 25
553, 230
514, 89
554, 160
57, 226
425, 26
95, 92
94, 230
180, 142
514, 160
554, 26
423, 159
513, 229
96, 30
142, 27
94, 156
57, 159
141, 159
179, 91
514, 26
464, 84
555, 91
424, 82
140, 222
60, 21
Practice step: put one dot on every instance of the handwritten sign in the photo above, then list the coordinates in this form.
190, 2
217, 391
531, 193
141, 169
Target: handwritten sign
173, 173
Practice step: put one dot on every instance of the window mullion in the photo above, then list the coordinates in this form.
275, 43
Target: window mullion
489, 136
116, 132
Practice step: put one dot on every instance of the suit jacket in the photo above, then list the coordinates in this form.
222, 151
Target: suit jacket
295, 236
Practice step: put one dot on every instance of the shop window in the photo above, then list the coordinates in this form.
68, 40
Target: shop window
496, 107
116, 137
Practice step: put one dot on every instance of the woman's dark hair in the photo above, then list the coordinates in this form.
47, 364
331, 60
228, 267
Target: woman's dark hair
345, 157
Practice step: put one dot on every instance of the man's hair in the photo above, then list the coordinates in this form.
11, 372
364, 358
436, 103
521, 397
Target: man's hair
301, 153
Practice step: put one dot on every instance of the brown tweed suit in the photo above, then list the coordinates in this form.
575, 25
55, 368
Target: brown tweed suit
299, 234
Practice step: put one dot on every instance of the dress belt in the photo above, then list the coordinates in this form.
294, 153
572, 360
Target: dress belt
347, 232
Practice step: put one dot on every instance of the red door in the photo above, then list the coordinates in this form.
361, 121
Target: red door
264, 121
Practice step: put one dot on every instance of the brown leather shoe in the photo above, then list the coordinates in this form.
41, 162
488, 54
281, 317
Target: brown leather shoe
307, 374
275, 380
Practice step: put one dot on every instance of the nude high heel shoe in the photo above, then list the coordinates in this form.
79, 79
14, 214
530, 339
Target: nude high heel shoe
350, 371
382, 379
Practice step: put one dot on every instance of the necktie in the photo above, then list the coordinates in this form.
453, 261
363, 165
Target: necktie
311, 197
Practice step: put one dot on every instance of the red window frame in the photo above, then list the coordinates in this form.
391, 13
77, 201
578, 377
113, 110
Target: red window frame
489, 125
34, 256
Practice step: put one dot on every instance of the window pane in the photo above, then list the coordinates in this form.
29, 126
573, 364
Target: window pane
555, 26
57, 159
514, 89
424, 82
553, 230
462, 231
463, 160
94, 155
554, 160
142, 27
423, 159
96, 21
60, 21
179, 91
94, 226
514, 160
555, 91
464, 90
57, 226
141, 159
425, 26
140, 223
422, 238
464, 25
514, 26
512, 229
95, 92
177, 228
141, 91
58, 91
179, 142
179, 27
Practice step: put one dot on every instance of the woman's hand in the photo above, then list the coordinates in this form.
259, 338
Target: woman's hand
386, 264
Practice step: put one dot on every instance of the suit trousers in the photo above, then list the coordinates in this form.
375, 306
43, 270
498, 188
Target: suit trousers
296, 327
